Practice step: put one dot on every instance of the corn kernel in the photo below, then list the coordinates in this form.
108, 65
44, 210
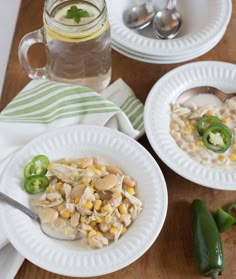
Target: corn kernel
200, 143
124, 230
107, 208
122, 209
61, 207
131, 191
113, 230
98, 204
189, 127
93, 223
95, 170
92, 185
100, 219
117, 195
221, 158
64, 162
98, 233
173, 126
65, 214
226, 120
59, 186
191, 146
49, 189
77, 200
80, 166
101, 167
88, 205
92, 233
232, 157
82, 219
85, 182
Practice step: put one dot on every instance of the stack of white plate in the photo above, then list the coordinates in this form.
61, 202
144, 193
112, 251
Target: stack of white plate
204, 25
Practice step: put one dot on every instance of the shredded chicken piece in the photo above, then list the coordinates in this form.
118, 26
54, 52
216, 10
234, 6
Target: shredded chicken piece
97, 241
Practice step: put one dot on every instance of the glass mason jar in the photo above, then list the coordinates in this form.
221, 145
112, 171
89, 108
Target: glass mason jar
77, 38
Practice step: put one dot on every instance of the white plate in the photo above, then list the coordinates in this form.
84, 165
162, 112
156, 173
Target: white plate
169, 60
202, 21
71, 258
165, 59
157, 119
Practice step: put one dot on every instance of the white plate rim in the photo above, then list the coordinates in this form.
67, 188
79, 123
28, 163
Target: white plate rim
165, 91
186, 44
20, 243
162, 60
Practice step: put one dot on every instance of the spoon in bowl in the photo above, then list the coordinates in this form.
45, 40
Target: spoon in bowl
201, 90
45, 228
167, 22
140, 16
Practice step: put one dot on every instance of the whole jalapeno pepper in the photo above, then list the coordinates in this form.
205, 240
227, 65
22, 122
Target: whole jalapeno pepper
207, 244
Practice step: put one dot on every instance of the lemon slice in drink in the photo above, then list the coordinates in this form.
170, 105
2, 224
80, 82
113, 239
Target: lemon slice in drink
69, 32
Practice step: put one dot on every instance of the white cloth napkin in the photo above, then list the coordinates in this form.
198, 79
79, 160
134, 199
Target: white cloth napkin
45, 105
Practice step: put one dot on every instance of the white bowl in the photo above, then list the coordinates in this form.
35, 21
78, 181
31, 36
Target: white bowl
73, 258
157, 120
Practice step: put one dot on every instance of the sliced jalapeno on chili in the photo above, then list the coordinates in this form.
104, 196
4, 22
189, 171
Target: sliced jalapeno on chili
36, 184
38, 166
217, 137
30, 170
223, 219
205, 121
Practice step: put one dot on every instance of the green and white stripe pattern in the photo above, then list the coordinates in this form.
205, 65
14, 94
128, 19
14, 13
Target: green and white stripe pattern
45, 102
133, 108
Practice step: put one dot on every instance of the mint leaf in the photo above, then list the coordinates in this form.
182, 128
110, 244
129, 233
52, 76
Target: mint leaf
77, 18
76, 14
83, 13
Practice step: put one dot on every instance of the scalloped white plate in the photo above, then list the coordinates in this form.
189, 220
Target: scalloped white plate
202, 22
157, 119
167, 60
73, 258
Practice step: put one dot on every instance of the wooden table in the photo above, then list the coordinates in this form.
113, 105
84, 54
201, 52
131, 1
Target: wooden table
170, 257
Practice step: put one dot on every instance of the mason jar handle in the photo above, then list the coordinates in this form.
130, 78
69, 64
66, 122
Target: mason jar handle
26, 42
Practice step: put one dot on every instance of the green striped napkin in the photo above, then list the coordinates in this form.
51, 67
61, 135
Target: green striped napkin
44, 105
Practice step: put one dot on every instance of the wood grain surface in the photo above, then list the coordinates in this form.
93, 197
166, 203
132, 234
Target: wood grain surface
170, 257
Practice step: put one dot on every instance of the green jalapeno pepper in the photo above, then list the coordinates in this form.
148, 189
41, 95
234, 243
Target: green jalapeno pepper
205, 121
223, 219
231, 209
36, 184
217, 137
207, 244
38, 166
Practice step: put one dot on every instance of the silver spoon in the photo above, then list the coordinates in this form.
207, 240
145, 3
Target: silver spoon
189, 93
167, 22
139, 17
46, 228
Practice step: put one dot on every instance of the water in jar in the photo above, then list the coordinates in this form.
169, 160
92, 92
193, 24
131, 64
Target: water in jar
83, 60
